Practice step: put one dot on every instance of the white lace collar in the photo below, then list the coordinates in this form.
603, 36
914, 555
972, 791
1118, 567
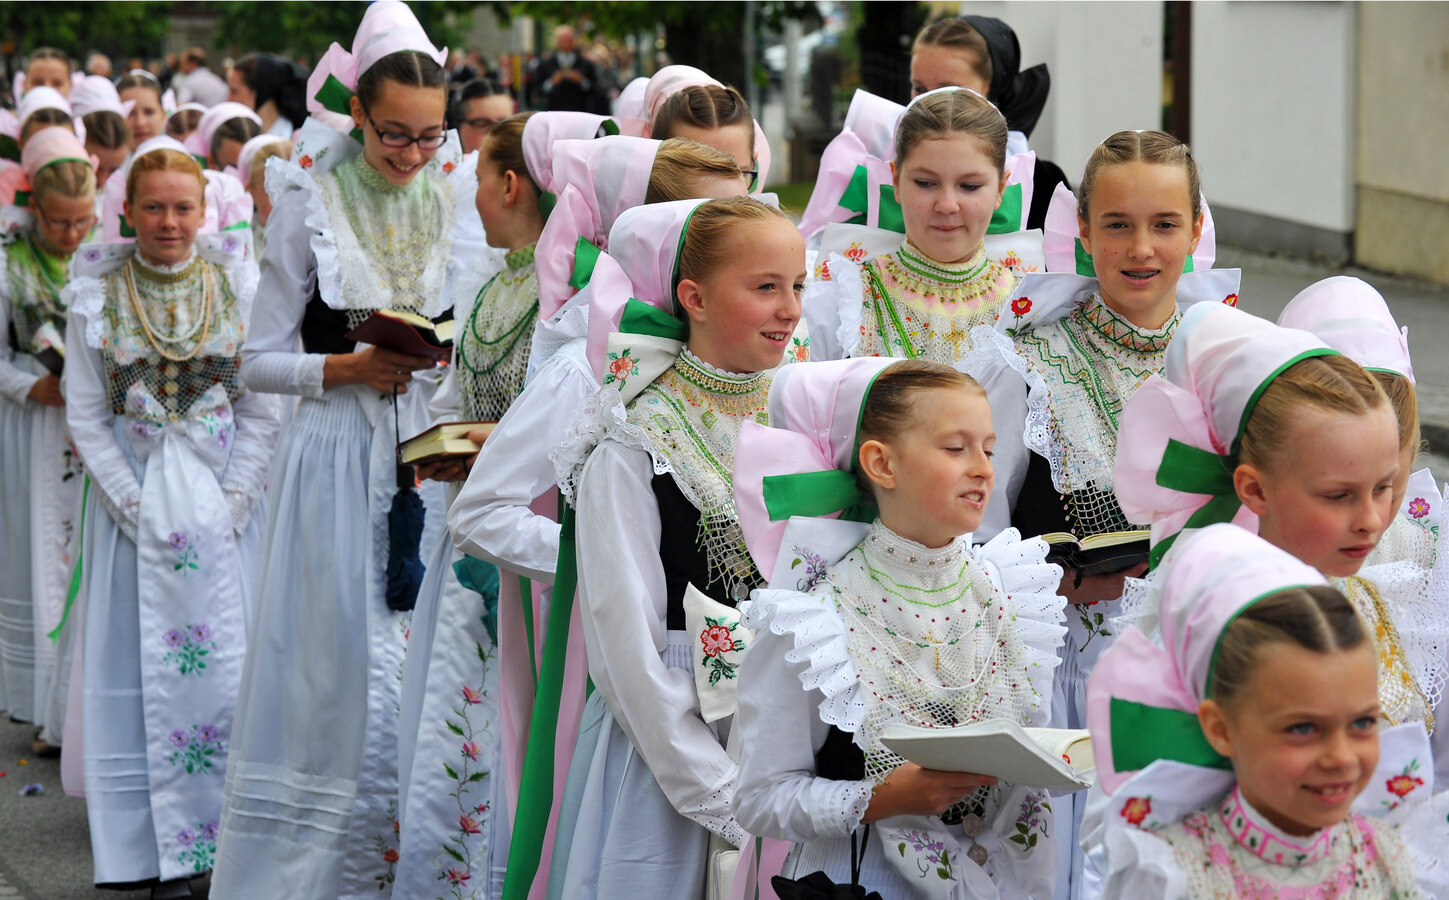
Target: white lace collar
163, 268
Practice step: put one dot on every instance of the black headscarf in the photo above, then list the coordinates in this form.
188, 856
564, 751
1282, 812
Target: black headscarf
1019, 95
284, 82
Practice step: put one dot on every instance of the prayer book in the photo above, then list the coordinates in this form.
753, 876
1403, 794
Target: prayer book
447, 440
405, 332
1099, 554
1057, 759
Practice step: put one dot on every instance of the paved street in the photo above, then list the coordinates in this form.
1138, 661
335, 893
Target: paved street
44, 847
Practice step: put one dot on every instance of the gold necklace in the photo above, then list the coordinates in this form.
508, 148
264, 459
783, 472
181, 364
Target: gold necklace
151, 336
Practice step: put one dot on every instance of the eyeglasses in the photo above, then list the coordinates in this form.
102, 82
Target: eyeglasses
482, 123
81, 225
752, 175
397, 140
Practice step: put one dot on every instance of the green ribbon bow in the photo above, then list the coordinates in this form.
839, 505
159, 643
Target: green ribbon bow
337, 97
586, 256
814, 494
641, 318
1142, 734
1006, 218
1193, 470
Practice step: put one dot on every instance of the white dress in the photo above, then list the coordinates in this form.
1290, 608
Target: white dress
650, 780
819, 661
311, 809
177, 453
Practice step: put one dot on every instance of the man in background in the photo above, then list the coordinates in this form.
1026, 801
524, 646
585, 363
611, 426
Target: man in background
565, 78
198, 83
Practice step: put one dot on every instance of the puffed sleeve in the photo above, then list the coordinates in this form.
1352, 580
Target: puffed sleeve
1141, 865
623, 603
993, 362
492, 518
832, 306
271, 360
89, 417
15, 381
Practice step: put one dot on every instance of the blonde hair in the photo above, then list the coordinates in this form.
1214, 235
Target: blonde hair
706, 239
1317, 618
888, 408
69, 178
706, 106
1334, 383
958, 34
1154, 147
959, 111
1405, 401
163, 160
681, 164
265, 152
46, 117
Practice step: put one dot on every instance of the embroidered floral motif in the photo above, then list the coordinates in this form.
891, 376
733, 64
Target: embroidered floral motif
815, 567
186, 555
470, 784
449, 166
719, 638
855, 253
929, 853
621, 366
1136, 810
1031, 821
198, 846
1093, 623
1418, 508
1403, 784
189, 647
306, 161
822, 271
384, 846
195, 748
1021, 306
1231, 300
799, 350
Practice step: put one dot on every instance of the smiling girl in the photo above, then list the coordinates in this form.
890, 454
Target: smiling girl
177, 452
905, 623
716, 284
923, 299
355, 228
1240, 754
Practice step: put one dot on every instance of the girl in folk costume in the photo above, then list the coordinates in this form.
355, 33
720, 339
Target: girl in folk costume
1239, 753
448, 744
103, 118
1063, 360
1271, 428
40, 109
251, 168
923, 299
45, 67
897, 621
227, 203
147, 116
506, 512
177, 452
40, 484
650, 780
311, 805
221, 132
708, 112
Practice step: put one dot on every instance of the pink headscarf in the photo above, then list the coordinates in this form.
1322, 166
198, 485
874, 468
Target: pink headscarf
601, 179
1352, 318
95, 93
248, 152
1178, 442
40, 98
227, 202
1153, 692
866, 143
1062, 237
387, 27
814, 418
52, 145
198, 142
630, 102
544, 129
669, 81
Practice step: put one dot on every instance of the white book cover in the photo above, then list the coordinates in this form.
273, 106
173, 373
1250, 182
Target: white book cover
1057, 759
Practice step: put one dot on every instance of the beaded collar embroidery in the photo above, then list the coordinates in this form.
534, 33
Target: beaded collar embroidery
35, 280
175, 332
1401, 698
493, 347
917, 307
393, 241
933, 641
1092, 361
692, 415
1260, 837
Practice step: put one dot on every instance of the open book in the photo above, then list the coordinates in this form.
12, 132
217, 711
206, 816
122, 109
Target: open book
444, 441
1048, 758
1099, 554
404, 332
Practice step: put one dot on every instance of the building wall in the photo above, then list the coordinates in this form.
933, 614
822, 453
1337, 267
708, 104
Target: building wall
1273, 125
1402, 136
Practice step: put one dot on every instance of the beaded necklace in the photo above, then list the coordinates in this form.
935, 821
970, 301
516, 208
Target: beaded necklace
161, 342
918, 307
492, 354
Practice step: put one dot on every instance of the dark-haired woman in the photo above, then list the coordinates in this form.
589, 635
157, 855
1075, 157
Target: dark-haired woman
272, 85
311, 805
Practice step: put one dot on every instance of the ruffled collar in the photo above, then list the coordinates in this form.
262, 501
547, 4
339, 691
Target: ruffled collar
714, 380
520, 258
1112, 327
1254, 833
919, 267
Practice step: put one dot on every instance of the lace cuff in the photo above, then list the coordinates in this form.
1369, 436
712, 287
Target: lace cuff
86, 296
1030, 584
126, 512
820, 640
601, 417
712, 812
286, 175
837, 807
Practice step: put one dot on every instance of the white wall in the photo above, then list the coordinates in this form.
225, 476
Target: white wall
1273, 121
1105, 61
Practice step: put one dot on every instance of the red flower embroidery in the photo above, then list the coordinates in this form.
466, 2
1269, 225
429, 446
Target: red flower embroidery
856, 252
822, 271
1021, 306
622, 367
1418, 508
470, 750
717, 640
305, 162
469, 825
1136, 809
1403, 785
471, 697
390, 856
1231, 300
458, 876
449, 166
1011, 260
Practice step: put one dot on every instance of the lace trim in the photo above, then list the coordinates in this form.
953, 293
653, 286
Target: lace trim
600, 417
517, 259
992, 348
1259, 836
851, 305
717, 381
820, 638
166, 273
86, 296
928, 270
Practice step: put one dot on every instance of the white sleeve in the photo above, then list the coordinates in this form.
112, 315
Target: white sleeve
271, 360
623, 605
89, 417
492, 518
832, 307
443, 405
1006, 392
15, 382
1141, 865
780, 730
245, 480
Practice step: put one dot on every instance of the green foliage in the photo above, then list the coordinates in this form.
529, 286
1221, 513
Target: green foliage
118, 29
308, 29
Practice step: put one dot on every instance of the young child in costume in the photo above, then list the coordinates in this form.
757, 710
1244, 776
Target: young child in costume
220, 133
1240, 755
312, 796
1271, 428
709, 303
103, 118
147, 116
177, 452
923, 299
903, 622
251, 169
40, 486
506, 513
